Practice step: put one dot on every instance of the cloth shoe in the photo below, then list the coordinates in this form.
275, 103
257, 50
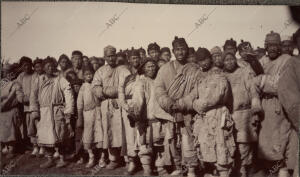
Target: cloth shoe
102, 162
131, 168
49, 163
91, 163
35, 151
112, 165
80, 161
41, 152
191, 172
147, 170
61, 163
56, 155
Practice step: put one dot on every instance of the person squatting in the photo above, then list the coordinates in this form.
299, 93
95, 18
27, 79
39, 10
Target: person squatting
207, 111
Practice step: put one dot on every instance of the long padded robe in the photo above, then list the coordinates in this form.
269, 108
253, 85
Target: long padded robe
11, 95
108, 80
173, 82
52, 98
244, 96
289, 97
26, 81
275, 127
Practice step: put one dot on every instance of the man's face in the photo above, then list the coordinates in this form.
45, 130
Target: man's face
180, 52
76, 88
38, 68
77, 61
63, 64
160, 63
88, 76
217, 60
120, 61
49, 68
205, 64
192, 59
85, 61
165, 56
111, 60
154, 54
230, 63
134, 61
142, 54
231, 49
27, 67
150, 69
95, 64
273, 51
287, 47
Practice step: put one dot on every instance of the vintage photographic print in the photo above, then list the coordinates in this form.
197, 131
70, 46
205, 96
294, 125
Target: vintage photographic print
122, 89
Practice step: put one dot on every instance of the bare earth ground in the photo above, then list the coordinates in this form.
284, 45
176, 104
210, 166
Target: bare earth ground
23, 164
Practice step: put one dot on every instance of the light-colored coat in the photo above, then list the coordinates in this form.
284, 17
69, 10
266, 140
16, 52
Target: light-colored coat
52, 98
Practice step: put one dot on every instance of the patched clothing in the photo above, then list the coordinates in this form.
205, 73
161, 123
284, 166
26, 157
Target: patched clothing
173, 82
213, 127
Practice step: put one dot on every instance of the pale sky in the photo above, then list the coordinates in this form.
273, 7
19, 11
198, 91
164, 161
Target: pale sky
54, 28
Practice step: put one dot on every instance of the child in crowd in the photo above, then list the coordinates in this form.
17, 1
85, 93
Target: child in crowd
89, 116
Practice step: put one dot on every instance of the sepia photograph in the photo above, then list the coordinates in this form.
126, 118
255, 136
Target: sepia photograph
145, 89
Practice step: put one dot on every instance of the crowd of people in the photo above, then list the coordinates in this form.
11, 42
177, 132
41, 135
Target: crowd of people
207, 110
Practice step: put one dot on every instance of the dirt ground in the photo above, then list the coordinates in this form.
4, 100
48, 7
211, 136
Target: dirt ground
24, 164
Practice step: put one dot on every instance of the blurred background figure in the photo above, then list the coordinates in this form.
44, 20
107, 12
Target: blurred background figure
165, 54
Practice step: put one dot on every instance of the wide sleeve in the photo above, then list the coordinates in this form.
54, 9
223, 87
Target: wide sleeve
289, 92
186, 103
97, 84
121, 87
68, 94
33, 99
80, 100
253, 89
214, 91
161, 93
15, 97
19, 92
138, 98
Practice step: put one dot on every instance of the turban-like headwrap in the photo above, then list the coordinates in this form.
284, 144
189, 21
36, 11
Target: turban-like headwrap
202, 54
165, 49
216, 50
272, 38
153, 46
109, 50
179, 41
244, 45
134, 52
230, 42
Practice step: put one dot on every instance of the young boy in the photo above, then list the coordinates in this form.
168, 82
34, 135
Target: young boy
89, 116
